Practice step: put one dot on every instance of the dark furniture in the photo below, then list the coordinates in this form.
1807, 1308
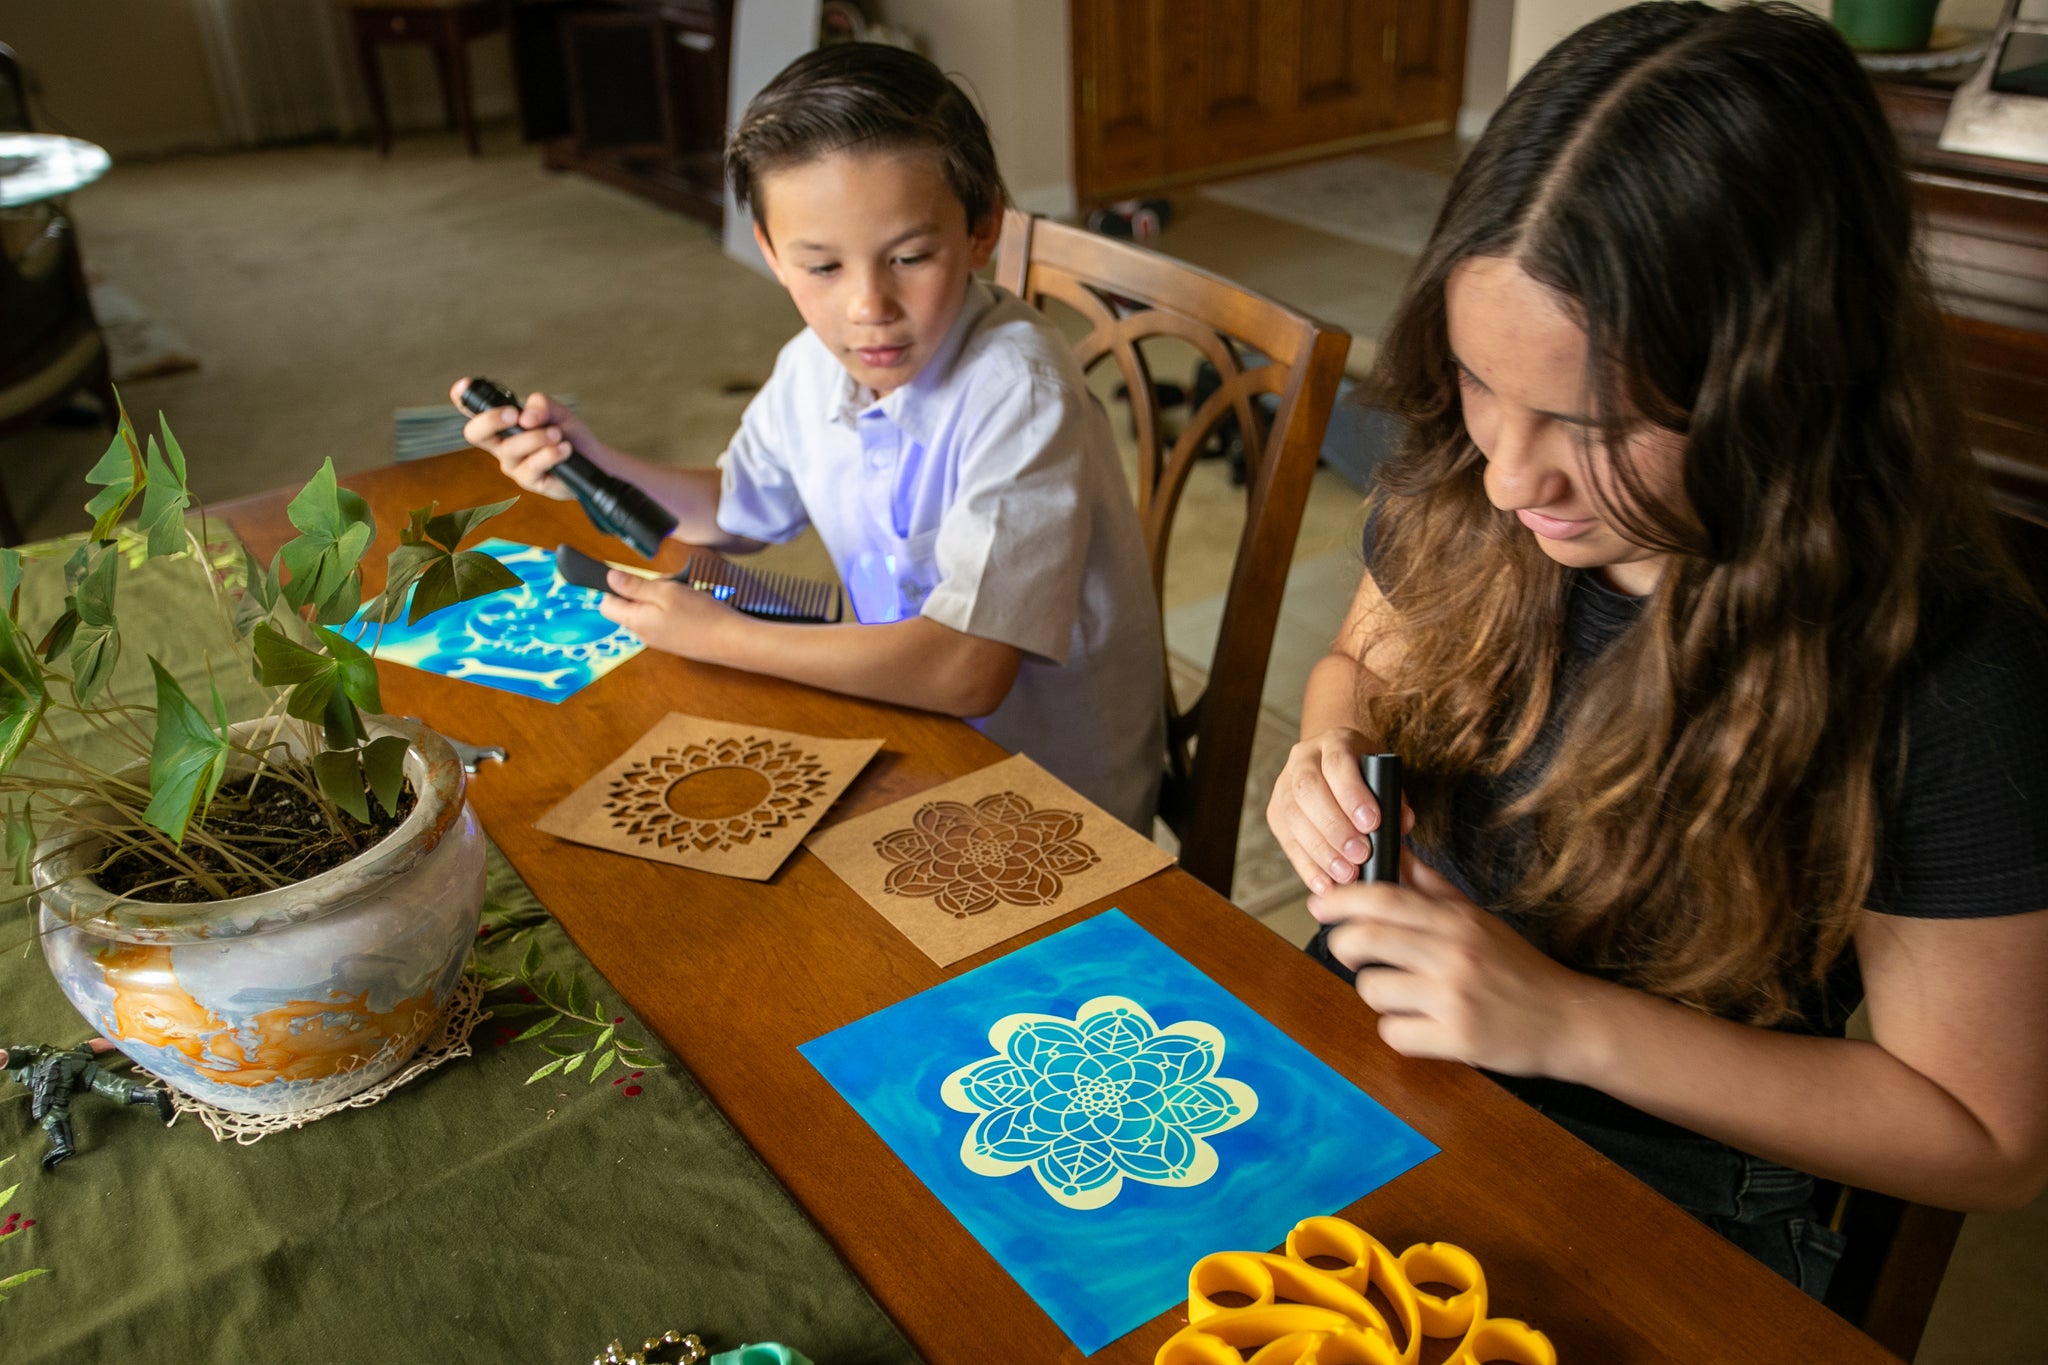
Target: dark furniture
734, 975
631, 92
1261, 350
446, 26
1985, 228
50, 343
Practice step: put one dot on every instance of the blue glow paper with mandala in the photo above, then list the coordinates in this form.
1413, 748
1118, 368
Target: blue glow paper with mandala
544, 639
1100, 1115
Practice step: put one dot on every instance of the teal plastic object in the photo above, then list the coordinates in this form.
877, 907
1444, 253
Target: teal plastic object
762, 1353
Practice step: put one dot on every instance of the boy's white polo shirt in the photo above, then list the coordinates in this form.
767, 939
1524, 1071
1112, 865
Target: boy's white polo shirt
986, 494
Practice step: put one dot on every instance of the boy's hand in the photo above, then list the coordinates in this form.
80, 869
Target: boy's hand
668, 615
548, 432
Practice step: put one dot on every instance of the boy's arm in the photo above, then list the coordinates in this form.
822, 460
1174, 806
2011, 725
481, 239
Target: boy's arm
548, 432
916, 662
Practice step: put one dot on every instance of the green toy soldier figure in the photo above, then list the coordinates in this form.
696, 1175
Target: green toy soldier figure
52, 1075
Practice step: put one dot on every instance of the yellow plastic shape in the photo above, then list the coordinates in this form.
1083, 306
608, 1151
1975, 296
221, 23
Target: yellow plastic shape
1301, 1313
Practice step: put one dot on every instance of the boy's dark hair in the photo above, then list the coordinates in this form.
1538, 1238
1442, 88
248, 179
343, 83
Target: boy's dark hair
864, 97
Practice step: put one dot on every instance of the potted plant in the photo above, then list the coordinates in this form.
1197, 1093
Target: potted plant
268, 911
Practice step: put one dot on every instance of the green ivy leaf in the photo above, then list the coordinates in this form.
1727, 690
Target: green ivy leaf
547, 1070
530, 964
354, 668
598, 1067
10, 577
336, 528
121, 473
94, 652
449, 528
579, 996
575, 1062
94, 595
604, 1037
460, 577
164, 501
95, 643
186, 762
384, 765
402, 570
23, 698
341, 777
58, 638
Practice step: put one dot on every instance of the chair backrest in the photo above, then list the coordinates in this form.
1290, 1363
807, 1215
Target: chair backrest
1259, 348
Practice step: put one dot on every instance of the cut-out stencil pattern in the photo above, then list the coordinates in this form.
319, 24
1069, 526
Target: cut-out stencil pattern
1070, 1094
978, 859
969, 858
716, 795
543, 639
1087, 1101
734, 799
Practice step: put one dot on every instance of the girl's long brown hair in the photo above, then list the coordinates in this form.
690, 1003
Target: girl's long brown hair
1717, 195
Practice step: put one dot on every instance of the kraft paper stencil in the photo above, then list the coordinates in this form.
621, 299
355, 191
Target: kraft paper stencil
735, 799
1100, 1115
544, 639
986, 856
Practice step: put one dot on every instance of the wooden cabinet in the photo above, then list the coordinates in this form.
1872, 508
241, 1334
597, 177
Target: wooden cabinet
1168, 93
1984, 229
632, 92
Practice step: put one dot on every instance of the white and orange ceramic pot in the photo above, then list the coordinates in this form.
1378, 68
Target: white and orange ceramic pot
291, 999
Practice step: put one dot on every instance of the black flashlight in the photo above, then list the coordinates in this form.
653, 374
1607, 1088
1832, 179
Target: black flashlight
614, 506
1382, 773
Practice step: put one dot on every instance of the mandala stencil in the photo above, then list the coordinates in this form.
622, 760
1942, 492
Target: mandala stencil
696, 792
969, 858
715, 795
1087, 1101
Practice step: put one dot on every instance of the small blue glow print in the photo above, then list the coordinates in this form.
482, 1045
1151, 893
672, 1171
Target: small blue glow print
1100, 1115
545, 639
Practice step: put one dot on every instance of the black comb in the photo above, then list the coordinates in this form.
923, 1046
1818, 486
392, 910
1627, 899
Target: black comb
770, 596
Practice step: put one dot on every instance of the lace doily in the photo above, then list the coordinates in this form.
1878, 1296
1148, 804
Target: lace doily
449, 1040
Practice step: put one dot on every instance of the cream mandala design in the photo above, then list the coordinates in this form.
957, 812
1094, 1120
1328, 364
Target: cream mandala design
998, 850
1087, 1101
714, 795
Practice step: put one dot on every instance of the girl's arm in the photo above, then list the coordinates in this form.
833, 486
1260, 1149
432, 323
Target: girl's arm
912, 663
1946, 1105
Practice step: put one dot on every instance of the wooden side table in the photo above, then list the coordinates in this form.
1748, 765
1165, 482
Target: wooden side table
444, 25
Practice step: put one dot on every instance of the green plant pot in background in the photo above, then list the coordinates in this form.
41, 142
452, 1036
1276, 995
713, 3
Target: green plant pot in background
1885, 25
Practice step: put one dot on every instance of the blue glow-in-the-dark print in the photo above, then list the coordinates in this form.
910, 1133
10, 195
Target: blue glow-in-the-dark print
1096, 1154
545, 639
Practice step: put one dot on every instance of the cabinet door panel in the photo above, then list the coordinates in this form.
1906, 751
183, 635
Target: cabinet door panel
1119, 92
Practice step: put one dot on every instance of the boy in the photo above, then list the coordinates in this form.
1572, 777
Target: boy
937, 433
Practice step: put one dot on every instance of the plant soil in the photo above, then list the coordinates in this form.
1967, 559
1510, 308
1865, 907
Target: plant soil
283, 827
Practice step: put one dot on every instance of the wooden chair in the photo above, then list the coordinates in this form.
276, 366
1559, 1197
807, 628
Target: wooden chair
1129, 295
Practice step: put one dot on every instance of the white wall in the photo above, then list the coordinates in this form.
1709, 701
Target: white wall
1488, 29
1012, 57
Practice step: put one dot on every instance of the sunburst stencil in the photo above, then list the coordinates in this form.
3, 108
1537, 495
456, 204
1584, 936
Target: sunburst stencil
734, 799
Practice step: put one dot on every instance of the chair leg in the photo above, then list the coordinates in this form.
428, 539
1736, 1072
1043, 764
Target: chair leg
373, 85
460, 101
10, 530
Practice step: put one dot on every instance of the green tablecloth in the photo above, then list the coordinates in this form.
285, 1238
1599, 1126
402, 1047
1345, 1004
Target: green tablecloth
467, 1217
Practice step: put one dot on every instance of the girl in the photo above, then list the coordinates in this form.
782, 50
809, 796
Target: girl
1719, 700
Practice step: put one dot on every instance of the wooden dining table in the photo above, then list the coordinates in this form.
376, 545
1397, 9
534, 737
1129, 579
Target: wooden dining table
734, 975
